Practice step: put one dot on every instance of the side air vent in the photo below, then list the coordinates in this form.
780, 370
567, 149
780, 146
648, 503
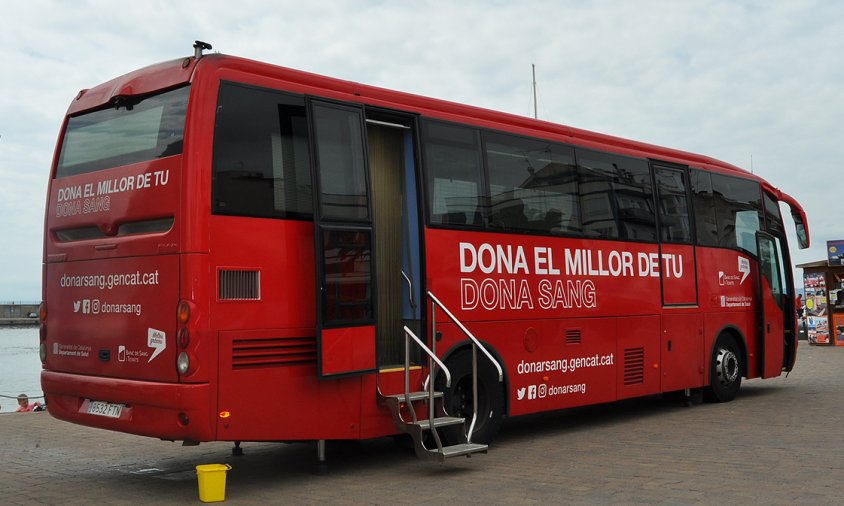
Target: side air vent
273, 352
573, 336
634, 366
239, 285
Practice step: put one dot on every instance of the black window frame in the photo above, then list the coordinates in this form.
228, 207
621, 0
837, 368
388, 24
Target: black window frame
479, 217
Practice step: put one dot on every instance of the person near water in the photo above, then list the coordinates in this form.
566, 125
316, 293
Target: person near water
24, 406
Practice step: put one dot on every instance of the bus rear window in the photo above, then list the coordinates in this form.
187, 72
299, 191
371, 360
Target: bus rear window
132, 131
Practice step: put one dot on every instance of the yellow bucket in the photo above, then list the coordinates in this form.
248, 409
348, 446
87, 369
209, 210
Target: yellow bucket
212, 482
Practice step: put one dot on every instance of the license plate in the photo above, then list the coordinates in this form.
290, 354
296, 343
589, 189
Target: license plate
107, 409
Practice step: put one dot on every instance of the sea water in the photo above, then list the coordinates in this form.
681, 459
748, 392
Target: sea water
20, 367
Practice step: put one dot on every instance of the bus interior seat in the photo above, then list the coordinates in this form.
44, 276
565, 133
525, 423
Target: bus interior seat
510, 214
454, 218
553, 219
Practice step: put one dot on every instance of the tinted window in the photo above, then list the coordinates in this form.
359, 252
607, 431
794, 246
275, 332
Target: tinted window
673, 205
261, 163
451, 156
348, 277
738, 211
771, 268
728, 210
533, 185
133, 131
773, 217
342, 166
706, 227
616, 199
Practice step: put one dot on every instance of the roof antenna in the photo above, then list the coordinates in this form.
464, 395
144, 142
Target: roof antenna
533, 71
198, 47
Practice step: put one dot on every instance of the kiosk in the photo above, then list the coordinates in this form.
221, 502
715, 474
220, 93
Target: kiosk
823, 296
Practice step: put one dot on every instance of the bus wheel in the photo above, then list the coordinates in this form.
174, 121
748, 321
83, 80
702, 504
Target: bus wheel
725, 371
458, 399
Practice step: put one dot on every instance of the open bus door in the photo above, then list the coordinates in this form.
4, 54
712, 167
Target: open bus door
772, 306
390, 147
344, 241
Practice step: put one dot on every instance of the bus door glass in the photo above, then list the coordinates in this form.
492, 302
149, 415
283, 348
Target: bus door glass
677, 266
343, 242
396, 223
772, 305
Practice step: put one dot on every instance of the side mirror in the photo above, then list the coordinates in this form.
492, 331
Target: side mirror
802, 231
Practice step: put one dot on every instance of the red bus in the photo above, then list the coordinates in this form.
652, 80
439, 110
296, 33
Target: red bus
236, 251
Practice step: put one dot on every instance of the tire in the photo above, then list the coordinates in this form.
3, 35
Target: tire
725, 371
458, 399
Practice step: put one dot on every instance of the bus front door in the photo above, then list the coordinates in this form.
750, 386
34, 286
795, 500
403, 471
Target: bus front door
772, 306
343, 243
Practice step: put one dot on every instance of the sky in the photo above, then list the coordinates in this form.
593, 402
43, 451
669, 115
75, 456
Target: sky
759, 84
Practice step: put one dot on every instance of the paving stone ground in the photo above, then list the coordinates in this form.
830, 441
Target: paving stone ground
778, 443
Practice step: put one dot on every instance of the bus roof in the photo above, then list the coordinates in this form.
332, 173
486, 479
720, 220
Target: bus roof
169, 74
181, 71
173, 73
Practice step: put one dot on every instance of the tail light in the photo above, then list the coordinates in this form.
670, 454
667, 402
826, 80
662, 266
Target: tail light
184, 337
183, 312
183, 318
183, 363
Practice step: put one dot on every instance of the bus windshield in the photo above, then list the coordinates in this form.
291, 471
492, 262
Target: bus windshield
132, 131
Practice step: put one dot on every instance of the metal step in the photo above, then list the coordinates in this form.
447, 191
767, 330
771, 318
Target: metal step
462, 449
443, 421
413, 396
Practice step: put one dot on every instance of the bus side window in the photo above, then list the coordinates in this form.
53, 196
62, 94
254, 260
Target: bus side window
261, 164
452, 159
533, 184
616, 197
728, 210
673, 206
703, 201
738, 211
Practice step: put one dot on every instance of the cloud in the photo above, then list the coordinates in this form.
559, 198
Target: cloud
727, 79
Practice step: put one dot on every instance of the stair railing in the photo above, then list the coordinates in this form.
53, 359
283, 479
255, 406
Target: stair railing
476, 344
433, 362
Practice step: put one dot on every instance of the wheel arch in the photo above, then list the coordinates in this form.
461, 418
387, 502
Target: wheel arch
466, 345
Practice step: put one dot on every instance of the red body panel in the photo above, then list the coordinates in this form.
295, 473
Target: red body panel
152, 408
348, 349
124, 307
678, 275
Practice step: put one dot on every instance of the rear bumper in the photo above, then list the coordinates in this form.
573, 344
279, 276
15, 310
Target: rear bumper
152, 409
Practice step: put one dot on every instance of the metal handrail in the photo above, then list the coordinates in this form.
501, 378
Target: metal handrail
475, 345
469, 335
432, 359
430, 354
409, 291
